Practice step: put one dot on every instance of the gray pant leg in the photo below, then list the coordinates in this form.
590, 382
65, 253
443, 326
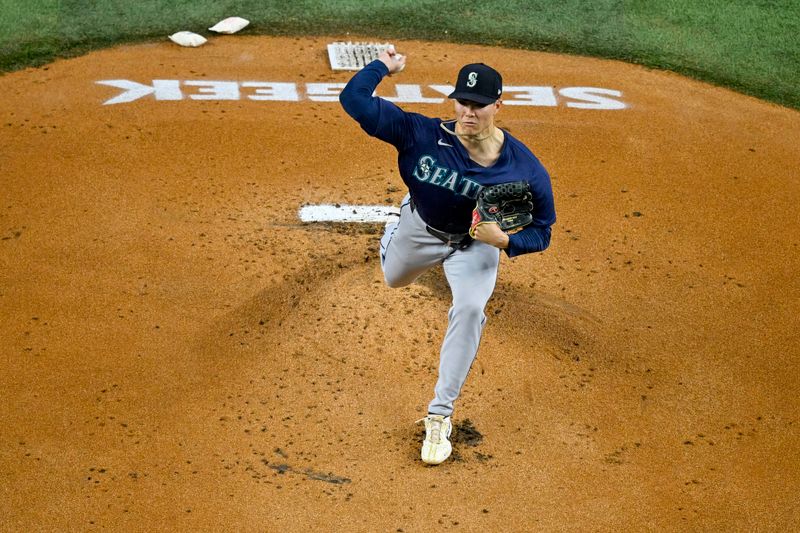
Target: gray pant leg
408, 250
472, 274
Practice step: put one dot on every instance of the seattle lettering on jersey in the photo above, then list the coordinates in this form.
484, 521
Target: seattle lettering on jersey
427, 171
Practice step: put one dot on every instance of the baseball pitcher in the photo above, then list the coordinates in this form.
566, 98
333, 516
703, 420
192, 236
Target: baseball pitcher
473, 190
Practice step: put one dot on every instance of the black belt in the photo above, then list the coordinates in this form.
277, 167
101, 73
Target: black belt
456, 240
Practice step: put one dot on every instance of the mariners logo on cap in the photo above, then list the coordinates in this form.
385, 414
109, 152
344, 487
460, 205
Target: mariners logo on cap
478, 83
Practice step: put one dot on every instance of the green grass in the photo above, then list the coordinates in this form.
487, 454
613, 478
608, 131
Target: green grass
752, 46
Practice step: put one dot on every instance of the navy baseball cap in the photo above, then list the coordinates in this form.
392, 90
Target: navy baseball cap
478, 83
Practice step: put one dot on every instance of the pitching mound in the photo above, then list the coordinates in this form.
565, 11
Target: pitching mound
181, 351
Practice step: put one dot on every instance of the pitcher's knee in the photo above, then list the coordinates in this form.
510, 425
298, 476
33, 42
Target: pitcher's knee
395, 281
472, 311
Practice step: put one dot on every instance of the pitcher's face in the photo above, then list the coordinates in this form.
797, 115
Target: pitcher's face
474, 118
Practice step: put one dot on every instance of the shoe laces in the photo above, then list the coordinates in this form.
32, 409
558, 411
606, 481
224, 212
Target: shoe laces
434, 426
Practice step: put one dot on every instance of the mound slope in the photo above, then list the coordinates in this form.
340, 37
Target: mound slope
181, 350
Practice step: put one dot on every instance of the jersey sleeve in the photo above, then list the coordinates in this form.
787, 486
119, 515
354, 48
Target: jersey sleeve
378, 117
536, 236
529, 240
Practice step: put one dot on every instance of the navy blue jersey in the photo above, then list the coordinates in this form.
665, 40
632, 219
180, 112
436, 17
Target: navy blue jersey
442, 179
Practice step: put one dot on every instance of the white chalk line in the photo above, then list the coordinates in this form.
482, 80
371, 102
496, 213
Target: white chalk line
348, 213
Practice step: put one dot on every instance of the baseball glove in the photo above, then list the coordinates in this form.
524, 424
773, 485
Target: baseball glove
507, 204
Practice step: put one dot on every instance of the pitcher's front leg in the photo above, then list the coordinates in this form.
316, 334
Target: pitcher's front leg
471, 274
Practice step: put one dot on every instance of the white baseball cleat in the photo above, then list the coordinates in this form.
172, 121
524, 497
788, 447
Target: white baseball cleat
436, 447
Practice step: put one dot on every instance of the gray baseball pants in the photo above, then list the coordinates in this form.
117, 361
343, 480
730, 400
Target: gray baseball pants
408, 250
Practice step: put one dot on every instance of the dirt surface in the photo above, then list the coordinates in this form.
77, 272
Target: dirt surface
180, 352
